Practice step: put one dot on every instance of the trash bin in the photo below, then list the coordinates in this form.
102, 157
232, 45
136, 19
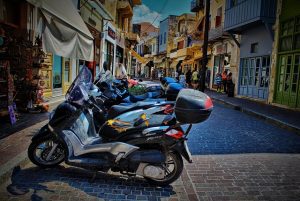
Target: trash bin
230, 90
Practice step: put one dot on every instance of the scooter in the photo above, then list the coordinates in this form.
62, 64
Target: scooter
144, 141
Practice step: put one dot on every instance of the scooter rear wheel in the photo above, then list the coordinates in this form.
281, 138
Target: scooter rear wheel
39, 150
173, 168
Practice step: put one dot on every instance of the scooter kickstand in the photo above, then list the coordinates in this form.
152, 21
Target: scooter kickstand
92, 180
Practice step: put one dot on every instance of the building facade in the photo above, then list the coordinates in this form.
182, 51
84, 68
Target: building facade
285, 82
255, 30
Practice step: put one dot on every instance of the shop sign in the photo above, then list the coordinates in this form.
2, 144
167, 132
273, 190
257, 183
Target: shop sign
111, 33
120, 40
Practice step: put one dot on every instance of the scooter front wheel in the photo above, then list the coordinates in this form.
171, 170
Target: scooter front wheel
45, 152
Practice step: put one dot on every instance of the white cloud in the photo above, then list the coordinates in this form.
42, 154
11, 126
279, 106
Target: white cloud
142, 13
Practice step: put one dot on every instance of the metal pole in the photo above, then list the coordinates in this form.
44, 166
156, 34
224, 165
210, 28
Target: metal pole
205, 44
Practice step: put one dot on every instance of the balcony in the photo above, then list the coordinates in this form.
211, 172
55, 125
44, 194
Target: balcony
247, 13
124, 7
217, 33
131, 36
197, 5
184, 52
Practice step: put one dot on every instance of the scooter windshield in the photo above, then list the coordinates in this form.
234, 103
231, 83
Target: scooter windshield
78, 91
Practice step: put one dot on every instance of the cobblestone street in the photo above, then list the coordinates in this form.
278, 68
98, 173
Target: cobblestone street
212, 177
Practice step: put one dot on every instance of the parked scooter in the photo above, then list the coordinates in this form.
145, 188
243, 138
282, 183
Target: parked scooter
141, 140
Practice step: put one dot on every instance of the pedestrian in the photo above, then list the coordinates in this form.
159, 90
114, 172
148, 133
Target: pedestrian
188, 77
176, 76
230, 85
195, 79
121, 71
219, 82
182, 80
224, 80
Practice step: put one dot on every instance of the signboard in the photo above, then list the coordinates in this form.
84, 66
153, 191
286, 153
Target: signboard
111, 33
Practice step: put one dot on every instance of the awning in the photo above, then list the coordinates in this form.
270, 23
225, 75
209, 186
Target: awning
138, 57
64, 32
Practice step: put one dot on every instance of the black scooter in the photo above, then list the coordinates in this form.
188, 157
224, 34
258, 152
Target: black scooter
146, 141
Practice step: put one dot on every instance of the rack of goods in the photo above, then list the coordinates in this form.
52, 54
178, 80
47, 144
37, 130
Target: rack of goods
6, 90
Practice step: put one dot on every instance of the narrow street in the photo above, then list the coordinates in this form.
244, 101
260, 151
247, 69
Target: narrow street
229, 131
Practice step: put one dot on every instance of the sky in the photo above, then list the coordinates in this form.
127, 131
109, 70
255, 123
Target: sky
158, 10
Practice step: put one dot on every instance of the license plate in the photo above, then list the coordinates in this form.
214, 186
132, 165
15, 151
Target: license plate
187, 151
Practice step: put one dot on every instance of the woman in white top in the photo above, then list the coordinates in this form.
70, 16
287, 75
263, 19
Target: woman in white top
121, 71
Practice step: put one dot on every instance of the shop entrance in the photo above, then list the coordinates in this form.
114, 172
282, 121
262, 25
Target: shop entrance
57, 76
254, 77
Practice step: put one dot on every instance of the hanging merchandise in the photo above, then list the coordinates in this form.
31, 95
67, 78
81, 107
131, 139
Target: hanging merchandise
25, 78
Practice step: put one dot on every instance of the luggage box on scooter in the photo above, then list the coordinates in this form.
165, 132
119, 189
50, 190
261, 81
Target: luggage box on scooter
172, 91
192, 106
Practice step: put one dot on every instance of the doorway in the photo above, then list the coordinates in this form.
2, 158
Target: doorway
57, 76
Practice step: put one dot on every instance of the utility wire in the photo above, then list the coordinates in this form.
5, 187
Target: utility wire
163, 7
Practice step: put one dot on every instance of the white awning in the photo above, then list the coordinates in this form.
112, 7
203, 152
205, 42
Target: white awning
64, 32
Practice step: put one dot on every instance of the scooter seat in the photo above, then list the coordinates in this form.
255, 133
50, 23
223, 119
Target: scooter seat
115, 110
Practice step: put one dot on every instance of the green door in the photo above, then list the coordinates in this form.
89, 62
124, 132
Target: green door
288, 80
295, 90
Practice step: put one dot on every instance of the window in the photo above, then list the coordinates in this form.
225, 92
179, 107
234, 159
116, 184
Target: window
67, 70
254, 48
165, 36
109, 55
160, 39
218, 17
233, 3
290, 35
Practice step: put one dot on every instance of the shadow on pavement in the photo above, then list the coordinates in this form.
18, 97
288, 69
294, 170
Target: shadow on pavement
45, 184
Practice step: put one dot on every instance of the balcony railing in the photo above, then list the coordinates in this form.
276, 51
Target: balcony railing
216, 33
196, 5
248, 12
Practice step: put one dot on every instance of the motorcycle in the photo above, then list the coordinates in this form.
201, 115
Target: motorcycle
145, 139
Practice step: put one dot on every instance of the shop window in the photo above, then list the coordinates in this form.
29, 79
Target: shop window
254, 48
109, 55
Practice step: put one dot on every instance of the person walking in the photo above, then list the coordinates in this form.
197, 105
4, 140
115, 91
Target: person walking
224, 80
121, 71
230, 85
219, 82
195, 79
182, 79
188, 77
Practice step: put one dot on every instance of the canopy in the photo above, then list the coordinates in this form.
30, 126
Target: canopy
64, 32
138, 57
